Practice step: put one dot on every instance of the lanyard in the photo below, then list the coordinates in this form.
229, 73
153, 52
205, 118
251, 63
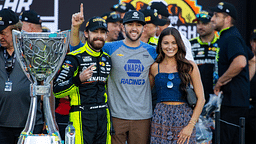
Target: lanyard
9, 62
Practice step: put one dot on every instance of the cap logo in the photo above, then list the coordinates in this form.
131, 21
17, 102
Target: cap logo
155, 14
135, 15
25, 18
221, 3
227, 10
123, 7
220, 6
147, 19
1, 18
105, 17
10, 22
98, 19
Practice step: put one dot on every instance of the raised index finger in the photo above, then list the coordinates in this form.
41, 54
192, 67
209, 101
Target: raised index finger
82, 8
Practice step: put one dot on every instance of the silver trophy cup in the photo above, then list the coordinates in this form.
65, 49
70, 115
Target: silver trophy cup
40, 56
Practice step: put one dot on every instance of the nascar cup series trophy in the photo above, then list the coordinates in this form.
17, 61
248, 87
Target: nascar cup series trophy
40, 55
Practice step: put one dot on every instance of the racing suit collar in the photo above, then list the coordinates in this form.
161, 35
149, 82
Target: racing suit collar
205, 43
91, 51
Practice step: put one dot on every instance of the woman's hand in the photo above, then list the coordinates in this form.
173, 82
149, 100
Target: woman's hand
185, 134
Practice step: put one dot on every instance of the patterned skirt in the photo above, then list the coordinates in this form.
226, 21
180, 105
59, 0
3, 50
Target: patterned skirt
168, 121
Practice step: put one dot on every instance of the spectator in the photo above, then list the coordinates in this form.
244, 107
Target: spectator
236, 66
173, 120
150, 28
250, 131
121, 9
204, 50
114, 25
15, 87
163, 13
161, 9
31, 21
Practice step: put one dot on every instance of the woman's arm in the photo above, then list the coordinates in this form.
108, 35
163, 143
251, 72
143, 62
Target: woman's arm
198, 88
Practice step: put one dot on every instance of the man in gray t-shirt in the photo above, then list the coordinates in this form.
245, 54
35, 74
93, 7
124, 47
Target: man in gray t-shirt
128, 85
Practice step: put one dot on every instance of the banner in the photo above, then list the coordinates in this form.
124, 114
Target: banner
182, 12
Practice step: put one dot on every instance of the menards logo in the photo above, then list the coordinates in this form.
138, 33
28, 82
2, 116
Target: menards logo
183, 12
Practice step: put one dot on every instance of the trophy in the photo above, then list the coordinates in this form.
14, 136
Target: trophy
40, 56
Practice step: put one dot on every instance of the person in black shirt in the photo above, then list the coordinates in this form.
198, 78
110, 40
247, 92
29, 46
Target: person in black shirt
14, 85
236, 66
250, 131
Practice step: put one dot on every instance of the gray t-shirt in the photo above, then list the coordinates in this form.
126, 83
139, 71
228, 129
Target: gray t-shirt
129, 89
14, 105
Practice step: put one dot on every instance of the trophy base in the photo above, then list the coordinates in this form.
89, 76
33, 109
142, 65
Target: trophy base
41, 140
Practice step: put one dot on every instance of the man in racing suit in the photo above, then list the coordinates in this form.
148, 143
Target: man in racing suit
205, 51
83, 77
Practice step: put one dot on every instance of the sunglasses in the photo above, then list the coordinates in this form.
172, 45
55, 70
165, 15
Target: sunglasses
114, 16
170, 78
203, 15
9, 64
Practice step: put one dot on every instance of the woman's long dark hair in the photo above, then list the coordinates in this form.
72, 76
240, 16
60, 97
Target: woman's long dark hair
184, 67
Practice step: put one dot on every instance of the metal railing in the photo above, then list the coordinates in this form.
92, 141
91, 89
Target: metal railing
241, 127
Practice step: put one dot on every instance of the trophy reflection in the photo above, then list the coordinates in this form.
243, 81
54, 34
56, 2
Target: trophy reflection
40, 56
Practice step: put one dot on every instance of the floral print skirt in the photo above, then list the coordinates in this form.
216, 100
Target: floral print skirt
168, 121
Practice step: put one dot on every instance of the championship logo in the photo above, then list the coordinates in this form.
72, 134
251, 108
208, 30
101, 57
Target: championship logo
182, 13
49, 17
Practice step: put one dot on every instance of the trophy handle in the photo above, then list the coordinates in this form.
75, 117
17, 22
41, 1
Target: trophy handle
65, 48
16, 35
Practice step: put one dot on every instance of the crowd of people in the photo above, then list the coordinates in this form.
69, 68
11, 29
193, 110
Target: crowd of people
126, 76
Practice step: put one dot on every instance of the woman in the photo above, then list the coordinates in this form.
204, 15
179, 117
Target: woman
173, 120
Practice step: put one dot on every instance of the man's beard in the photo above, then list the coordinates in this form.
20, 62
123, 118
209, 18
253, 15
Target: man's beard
94, 46
128, 36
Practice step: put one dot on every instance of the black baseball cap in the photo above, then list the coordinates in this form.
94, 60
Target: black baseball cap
253, 37
30, 16
96, 23
7, 18
225, 7
111, 17
203, 16
152, 17
160, 8
134, 15
123, 7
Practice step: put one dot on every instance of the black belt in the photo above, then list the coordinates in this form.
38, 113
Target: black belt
84, 107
